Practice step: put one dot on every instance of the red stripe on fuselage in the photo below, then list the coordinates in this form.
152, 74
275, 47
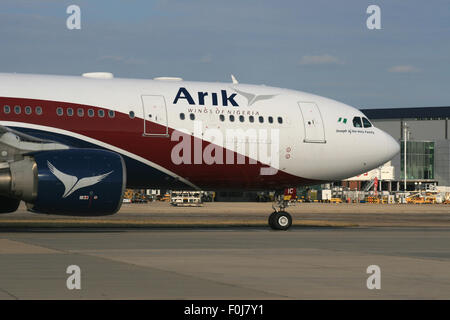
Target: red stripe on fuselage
127, 134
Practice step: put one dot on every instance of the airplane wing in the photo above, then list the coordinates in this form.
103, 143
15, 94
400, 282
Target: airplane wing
14, 143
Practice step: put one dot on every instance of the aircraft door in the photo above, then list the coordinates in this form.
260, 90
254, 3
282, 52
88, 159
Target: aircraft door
313, 122
155, 115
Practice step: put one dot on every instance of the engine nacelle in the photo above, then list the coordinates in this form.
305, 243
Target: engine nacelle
81, 182
8, 205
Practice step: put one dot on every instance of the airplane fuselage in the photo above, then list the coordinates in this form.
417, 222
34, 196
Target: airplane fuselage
180, 134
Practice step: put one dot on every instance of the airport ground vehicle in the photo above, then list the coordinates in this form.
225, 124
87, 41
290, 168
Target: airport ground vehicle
186, 198
419, 198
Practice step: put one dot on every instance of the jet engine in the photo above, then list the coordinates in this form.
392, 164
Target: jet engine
77, 182
8, 205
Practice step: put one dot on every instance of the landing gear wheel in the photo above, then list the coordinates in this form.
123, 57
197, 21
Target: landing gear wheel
280, 220
271, 218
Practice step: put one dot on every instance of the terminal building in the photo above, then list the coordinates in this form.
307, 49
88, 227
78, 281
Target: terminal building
426, 131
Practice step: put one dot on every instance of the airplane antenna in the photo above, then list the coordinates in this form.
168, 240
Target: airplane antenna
234, 80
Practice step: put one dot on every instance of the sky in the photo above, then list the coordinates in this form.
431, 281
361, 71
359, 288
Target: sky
317, 46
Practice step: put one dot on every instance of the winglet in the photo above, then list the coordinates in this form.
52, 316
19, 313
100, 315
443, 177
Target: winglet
234, 80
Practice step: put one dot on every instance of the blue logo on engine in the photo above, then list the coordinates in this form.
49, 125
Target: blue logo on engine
72, 183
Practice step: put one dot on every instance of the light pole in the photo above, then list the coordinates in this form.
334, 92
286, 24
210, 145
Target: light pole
405, 137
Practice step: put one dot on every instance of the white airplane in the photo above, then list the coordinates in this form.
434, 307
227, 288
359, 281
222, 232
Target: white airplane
72, 144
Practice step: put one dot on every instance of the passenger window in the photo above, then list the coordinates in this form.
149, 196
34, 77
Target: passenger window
222, 117
366, 123
241, 118
357, 122
111, 113
280, 120
101, 113
28, 110
182, 116
69, 112
38, 111
231, 118
80, 112
261, 119
17, 109
192, 116
91, 113
7, 109
251, 119
59, 111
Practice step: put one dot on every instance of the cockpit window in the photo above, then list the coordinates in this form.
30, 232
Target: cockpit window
357, 122
366, 123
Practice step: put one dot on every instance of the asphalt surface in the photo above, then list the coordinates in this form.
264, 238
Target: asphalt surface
226, 214
327, 261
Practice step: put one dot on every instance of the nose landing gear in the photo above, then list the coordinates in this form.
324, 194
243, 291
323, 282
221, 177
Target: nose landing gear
280, 219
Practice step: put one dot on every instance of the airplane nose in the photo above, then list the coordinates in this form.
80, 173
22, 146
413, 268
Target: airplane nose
390, 146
